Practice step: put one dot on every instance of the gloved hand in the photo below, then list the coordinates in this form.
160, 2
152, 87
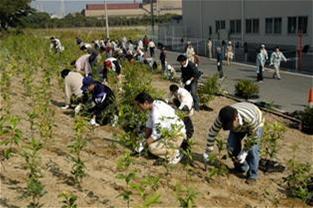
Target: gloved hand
188, 82
218, 63
65, 107
205, 157
77, 108
241, 158
140, 147
93, 122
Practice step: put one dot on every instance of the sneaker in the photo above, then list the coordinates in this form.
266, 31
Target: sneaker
251, 181
176, 159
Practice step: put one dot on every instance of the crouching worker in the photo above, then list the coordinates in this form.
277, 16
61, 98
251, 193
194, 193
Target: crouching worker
165, 131
245, 123
111, 64
104, 110
73, 82
183, 101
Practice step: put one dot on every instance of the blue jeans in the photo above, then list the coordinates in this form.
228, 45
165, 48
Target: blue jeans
251, 165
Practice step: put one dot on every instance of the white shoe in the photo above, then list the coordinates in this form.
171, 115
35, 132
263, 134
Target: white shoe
65, 107
78, 108
176, 159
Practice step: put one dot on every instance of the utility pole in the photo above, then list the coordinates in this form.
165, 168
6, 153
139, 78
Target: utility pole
152, 17
242, 21
106, 19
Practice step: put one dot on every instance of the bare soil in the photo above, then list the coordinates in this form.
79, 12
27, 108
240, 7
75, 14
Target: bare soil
100, 188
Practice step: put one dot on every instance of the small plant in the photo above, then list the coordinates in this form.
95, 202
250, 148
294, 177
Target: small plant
78, 168
68, 199
273, 133
124, 162
209, 89
246, 89
127, 193
307, 120
186, 197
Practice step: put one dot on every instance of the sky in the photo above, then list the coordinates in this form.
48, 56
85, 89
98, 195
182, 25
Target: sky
53, 7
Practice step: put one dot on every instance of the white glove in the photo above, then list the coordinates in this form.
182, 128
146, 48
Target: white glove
140, 147
77, 108
242, 157
218, 63
65, 107
188, 82
93, 122
206, 157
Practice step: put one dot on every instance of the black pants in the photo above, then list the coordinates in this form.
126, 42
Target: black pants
220, 71
192, 88
260, 74
152, 52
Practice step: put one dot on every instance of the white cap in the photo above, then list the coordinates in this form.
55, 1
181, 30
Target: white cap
229, 42
263, 46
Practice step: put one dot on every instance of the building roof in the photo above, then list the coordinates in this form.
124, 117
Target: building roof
113, 6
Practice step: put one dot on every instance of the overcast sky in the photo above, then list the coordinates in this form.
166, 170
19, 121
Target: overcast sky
54, 6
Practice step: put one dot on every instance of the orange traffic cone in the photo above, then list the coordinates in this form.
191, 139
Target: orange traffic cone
310, 100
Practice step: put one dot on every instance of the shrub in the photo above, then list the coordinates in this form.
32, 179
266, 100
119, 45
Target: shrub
307, 120
209, 89
246, 89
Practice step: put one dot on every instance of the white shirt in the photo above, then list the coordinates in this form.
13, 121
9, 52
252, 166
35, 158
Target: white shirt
151, 44
163, 116
184, 98
140, 44
111, 59
82, 64
73, 83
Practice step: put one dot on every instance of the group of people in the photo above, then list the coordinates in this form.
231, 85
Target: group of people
243, 120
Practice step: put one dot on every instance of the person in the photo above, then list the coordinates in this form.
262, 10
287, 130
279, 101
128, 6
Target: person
169, 71
85, 63
140, 44
114, 65
103, 97
245, 50
260, 62
264, 52
190, 52
151, 46
245, 123
229, 53
56, 45
145, 43
219, 59
276, 58
73, 82
210, 45
162, 117
189, 77
183, 101
162, 58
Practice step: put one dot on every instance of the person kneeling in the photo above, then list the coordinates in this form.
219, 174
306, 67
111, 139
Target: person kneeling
165, 131
105, 110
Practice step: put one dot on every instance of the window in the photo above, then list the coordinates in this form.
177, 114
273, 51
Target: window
295, 26
277, 25
219, 25
292, 24
273, 25
269, 25
235, 26
252, 25
302, 24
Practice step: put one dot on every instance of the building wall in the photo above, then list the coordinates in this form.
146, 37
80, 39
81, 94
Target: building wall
115, 12
198, 15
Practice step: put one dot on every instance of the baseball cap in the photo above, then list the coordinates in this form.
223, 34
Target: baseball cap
86, 82
227, 117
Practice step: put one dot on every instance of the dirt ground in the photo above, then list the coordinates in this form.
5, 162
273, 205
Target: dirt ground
100, 188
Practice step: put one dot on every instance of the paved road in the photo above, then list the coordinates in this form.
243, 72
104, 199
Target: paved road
291, 92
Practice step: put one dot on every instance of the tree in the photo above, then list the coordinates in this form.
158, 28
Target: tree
11, 11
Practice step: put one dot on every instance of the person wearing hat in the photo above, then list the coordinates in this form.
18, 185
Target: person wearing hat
189, 77
103, 97
190, 52
277, 57
111, 64
245, 123
163, 58
229, 53
56, 45
260, 62
73, 83
264, 52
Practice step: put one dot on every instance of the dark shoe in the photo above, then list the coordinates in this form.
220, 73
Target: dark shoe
251, 181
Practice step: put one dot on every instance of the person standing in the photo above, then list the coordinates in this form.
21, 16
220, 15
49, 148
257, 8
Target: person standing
189, 77
229, 53
260, 62
276, 58
210, 45
245, 50
163, 58
151, 46
162, 117
264, 52
219, 59
245, 123
190, 52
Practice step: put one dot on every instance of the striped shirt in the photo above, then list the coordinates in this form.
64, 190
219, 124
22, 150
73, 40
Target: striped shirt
250, 119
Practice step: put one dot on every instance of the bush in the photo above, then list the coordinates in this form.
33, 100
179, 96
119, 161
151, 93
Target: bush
210, 88
246, 89
306, 118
